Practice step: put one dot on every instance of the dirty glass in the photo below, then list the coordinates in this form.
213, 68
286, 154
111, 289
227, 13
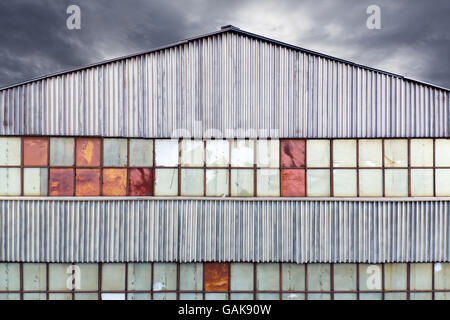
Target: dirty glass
217, 182
191, 278
192, 182
242, 183
10, 181
268, 182
344, 153
115, 152
35, 181
396, 182
396, 153
422, 182
318, 153
442, 152
442, 182
217, 153
62, 151
192, 153
113, 276
10, 151
242, 153
371, 182
318, 182
370, 153
166, 182
141, 153
422, 152
344, 183
268, 153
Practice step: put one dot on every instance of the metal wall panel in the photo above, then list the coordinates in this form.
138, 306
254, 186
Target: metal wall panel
224, 230
227, 84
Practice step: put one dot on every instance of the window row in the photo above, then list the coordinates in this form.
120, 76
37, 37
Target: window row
220, 281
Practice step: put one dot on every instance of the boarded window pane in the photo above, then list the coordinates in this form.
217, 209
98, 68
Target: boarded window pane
370, 277
293, 153
344, 183
293, 183
192, 182
88, 152
192, 154
216, 276
318, 153
61, 182
242, 182
59, 273
370, 182
344, 153
191, 276
114, 182
422, 182
217, 182
166, 153
370, 153
421, 276
318, 181
396, 153
166, 182
242, 153
268, 153
217, 153
268, 182
422, 152
396, 182
10, 151
87, 182
35, 151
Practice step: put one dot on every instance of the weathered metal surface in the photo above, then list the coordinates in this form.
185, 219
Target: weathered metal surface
230, 84
224, 230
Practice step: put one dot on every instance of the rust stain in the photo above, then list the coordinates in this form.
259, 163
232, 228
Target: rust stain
141, 182
293, 183
35, 151
87, 182
114, 182
88, 152
293, 153
61, 182
216, 276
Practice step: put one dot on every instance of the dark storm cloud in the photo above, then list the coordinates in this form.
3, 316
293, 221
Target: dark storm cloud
414, 39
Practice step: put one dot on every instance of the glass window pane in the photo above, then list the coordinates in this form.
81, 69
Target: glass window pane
242, 182
191, 276
293, 183
395, 276
9, 276
165, 296
422, 152
370, 277
396, 153
241, 276
139, 276
35, 181
115, 152
442, 276
268, 276
318, 153
10, 151
166, 153
421, 276
113, 276
267, 296
192, 182
165, 276
344, 153
89, 277
141, 152
293, 153
217, 182
59, 274
293, 276
268, 153
345, 278
10, 181
371, 183
293, 296
113, 296
442, 182
319, 277
34, 278
217, 153
62, 151
216, 296
318, 183
166, 182
442, 152
268, 183
370, 153
242, 153
344, 183
422, 182
192, 154
396, 182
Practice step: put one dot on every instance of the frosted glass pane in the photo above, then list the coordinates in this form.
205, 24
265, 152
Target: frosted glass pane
217, 182
141, 153
10, 151
344, 153
242, 183
58, 275
242, 153
268, 276
345, 277
442, 276
421, 276
422, 152
293, 276
344, 183
293, 296
217, 153
396, 182
191, 276
395, 276
35, 181
319, 278
62, 151
268, 153
10, 181
166, 182
395, 153
113, 276
89, 276
370, 182
268, 182
164, 276
115, 152
370, 153
192, 182
192, 154
241, 276
139, 276
318, 153
318, 181
370, 277
442, 182
422, 182
34, 276
9, 276
166, 153
442, 152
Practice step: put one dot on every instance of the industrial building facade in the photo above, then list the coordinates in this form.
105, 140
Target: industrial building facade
226, 166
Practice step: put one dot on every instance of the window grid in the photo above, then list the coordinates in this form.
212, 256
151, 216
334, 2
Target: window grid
332, 276
75, 170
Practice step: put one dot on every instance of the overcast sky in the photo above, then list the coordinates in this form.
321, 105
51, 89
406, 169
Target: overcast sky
414, 39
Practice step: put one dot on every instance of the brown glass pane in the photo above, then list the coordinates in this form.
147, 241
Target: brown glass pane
293, 183
35, 151
88, 152
61, 182
292, 153
216, 276
141, 182
114, 182
87, 182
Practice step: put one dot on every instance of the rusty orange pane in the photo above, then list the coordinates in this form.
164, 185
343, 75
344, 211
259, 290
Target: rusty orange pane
114, 182
87, 182
293, 183
216, 276
141, 182
292, 153
61, 182
88, 152
35, 151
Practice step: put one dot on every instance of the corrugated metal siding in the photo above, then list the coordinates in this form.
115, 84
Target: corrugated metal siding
223, 230
226, 81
